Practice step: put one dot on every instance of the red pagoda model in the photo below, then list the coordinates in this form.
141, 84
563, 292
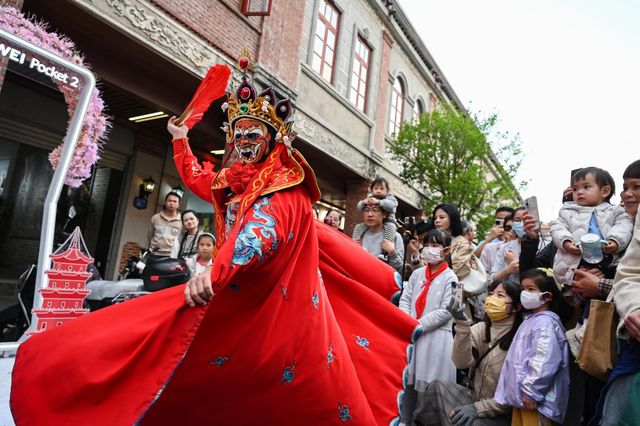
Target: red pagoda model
62, 299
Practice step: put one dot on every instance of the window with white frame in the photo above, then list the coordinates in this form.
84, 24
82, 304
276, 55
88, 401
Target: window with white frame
360, 75
326, 40
397, 104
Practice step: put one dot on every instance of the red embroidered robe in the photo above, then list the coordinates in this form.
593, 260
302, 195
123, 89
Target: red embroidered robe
300, 331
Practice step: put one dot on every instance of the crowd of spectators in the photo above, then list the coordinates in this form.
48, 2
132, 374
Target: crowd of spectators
508, 355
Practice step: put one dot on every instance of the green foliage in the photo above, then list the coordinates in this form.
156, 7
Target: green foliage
449, 154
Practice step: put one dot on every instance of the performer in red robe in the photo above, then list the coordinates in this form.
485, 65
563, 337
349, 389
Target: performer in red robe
292, 325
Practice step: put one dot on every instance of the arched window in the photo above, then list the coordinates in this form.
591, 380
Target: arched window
418, 110
397, 104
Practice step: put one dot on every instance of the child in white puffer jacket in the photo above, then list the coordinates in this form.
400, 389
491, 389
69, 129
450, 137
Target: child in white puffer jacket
589, 213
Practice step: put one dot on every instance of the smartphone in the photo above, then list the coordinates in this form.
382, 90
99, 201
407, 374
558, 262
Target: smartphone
499, 222
458, 292
573, 172
531, 204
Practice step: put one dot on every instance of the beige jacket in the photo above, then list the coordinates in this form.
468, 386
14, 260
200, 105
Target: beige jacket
162, 233
485, 377
626, 284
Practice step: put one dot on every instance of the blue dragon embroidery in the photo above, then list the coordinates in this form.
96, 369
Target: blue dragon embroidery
252, 236
316, 300
288, 374
343, 412
361, 341
219, 361
330, 356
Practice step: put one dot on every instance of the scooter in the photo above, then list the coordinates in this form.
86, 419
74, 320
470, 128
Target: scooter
140, 276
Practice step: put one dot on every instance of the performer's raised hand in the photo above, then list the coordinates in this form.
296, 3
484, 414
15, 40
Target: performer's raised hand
178, 132
198, 290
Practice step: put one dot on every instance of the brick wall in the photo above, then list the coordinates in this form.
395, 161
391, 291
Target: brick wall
129, 249
219, 22
382, 113
357, 189
281, 39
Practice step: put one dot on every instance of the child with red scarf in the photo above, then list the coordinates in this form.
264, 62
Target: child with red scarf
425, 297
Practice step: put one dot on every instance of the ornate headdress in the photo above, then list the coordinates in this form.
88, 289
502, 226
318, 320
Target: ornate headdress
265, 107
284, 167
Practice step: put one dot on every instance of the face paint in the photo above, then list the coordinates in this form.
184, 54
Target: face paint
250, 140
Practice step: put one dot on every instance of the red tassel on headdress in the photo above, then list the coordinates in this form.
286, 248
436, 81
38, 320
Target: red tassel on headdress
212, 87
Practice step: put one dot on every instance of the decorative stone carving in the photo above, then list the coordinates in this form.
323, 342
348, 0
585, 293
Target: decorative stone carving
154, 28
326, 141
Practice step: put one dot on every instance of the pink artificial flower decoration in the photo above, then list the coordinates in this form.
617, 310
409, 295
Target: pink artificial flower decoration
95, 123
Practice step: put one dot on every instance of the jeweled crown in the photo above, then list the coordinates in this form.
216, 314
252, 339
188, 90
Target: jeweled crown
265, 107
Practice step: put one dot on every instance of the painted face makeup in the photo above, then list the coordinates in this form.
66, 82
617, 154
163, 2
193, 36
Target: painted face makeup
250, 140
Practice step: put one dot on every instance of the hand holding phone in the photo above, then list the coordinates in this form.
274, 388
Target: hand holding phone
531, 204
456, 304
458, 293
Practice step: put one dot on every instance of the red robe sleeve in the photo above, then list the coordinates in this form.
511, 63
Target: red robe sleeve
197, 178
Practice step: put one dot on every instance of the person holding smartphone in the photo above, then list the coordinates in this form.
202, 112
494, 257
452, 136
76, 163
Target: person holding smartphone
496, 234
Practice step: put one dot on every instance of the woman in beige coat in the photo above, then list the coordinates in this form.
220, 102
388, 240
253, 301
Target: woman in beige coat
481, 348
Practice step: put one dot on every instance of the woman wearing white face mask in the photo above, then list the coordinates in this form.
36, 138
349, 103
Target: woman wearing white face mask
425, 297
506, 266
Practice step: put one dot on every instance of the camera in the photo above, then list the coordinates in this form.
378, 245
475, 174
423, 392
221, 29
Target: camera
407, 228
328, 221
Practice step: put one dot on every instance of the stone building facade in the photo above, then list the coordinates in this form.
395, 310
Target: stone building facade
354, 70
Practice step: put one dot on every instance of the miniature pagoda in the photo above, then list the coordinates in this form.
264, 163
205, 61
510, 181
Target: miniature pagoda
62, 299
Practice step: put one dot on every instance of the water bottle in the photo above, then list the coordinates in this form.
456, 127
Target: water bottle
591, 246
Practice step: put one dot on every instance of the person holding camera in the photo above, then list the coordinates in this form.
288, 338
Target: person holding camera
414, 246
495, 235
